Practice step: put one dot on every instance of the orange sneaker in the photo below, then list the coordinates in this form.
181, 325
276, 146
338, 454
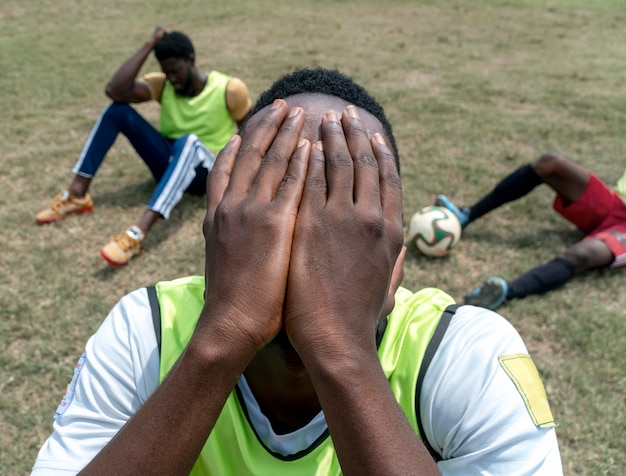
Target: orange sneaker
122, 247
64, 204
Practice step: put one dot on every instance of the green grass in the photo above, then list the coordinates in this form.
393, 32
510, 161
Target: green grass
473, 89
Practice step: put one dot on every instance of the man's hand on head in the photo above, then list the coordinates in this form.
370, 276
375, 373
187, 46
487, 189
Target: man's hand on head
158, 34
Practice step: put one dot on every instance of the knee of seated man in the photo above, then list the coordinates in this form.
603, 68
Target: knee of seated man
548, 164
588, 254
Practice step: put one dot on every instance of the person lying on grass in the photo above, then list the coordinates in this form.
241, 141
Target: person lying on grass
581, 198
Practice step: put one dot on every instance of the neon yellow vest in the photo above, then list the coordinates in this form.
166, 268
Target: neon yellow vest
205, 115
233, 448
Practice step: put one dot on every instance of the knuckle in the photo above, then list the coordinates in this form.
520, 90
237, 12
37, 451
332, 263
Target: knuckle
221, 214
289, 125
366, 159
268, 121
272, 156
288, 180
391, 179
357, 128
375, 225
249, 147
316, 183
341, 160
334, 130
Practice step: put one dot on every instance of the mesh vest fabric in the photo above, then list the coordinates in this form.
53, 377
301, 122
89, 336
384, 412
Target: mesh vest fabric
233, 447
205, 115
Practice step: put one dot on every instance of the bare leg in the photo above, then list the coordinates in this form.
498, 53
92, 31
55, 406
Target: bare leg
565, 177
588, 254
584, 255
149, 218
79, 186
569, 181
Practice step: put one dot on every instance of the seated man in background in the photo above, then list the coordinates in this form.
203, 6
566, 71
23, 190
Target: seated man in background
298, 352
198, 115
582, 199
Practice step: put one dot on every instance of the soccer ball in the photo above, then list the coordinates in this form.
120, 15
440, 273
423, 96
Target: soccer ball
434, 231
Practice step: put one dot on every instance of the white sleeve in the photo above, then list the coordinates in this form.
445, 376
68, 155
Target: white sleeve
473, 412
107, 388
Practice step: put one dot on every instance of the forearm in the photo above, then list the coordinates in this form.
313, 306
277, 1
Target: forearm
120, 86
167, 434
369, 429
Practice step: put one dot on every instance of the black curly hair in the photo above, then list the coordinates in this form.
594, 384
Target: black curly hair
332, 83
174, 45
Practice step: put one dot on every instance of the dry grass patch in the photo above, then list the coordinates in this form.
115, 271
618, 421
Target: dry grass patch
473, 89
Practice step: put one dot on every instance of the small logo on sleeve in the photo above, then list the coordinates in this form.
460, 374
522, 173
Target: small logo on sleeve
71, 388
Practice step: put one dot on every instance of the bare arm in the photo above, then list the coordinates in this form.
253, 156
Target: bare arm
338, 285
123, 86
244, 298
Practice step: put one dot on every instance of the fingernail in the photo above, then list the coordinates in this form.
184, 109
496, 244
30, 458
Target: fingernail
276, 104
302, 142
332, 116
319, 145
352, 112
295, 111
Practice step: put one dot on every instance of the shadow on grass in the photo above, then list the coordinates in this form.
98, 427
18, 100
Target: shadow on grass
128, 196
162, 231
533, 238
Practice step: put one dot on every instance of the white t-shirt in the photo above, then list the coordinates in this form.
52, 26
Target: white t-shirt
471, 410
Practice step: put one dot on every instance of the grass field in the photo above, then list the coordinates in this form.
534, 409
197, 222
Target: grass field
473, 89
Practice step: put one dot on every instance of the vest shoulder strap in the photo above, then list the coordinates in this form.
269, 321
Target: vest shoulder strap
433, 345
153, 299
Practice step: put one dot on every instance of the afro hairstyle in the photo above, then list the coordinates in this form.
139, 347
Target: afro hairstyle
329, 82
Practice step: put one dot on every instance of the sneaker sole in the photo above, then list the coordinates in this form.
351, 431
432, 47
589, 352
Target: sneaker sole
505, 289
110, 261
61, 217
493, 304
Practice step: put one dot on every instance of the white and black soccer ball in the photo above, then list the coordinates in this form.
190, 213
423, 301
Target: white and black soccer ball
434, 231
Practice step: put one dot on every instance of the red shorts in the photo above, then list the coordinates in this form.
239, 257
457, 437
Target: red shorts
599, 213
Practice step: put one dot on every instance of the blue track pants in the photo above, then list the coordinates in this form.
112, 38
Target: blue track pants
177, 165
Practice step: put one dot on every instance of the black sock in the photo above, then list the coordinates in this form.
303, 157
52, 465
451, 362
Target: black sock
512, 187
541, 279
